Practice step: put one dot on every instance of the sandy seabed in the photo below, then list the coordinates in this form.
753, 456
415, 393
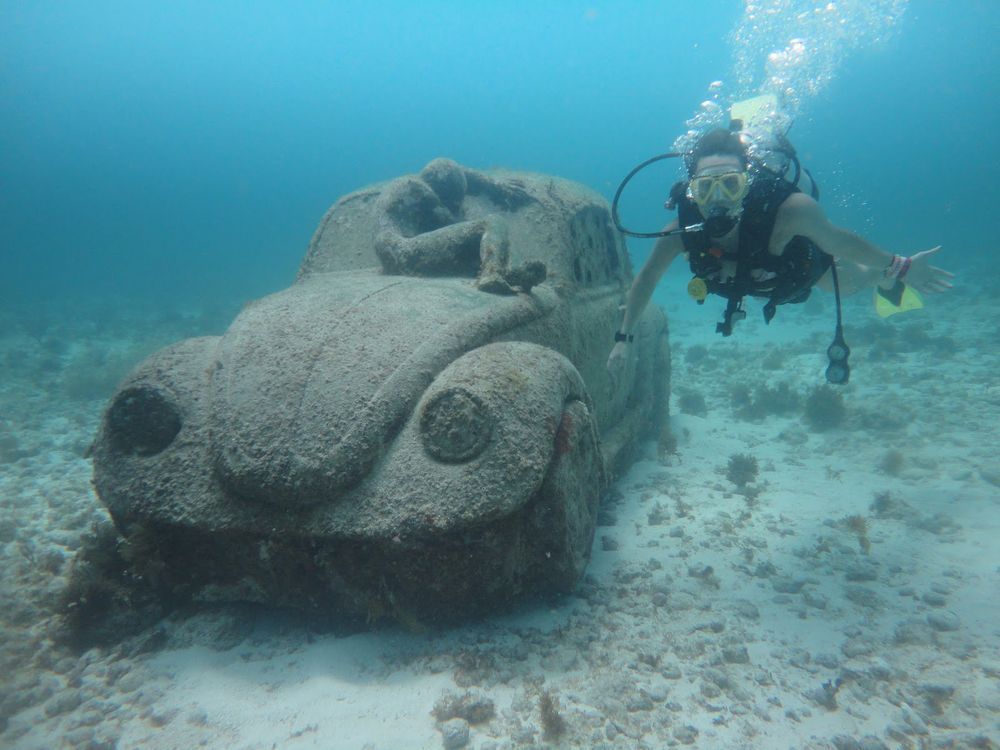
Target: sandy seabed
845, 596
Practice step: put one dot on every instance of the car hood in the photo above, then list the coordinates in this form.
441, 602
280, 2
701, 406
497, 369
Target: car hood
310, 384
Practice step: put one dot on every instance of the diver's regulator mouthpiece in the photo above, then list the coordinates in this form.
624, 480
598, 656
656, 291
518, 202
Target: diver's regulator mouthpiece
711, 226
720, 224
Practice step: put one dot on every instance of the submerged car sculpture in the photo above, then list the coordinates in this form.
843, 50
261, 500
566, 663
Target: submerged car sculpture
421, 426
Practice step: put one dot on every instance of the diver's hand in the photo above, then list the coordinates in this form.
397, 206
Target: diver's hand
616, 361
924, 277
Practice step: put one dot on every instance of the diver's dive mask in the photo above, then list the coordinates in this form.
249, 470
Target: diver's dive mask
728, 185
719, 196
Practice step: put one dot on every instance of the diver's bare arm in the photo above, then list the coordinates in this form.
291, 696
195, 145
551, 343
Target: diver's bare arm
664, 252
801, 215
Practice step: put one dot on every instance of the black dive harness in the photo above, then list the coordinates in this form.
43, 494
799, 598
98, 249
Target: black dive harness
784, 279
781, 279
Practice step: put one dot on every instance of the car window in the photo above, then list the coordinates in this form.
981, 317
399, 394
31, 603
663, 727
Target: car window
598, 248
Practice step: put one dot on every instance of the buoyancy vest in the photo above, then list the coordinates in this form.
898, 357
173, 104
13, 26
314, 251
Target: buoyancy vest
781, 279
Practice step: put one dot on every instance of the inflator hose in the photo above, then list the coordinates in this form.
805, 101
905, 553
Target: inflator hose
621, 187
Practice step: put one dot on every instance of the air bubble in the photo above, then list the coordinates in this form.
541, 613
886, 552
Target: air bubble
794, 48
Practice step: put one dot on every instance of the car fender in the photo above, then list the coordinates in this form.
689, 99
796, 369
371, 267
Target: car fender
478, 445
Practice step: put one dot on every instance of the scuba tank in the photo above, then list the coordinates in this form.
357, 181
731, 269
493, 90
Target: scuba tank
773, 153
764, 130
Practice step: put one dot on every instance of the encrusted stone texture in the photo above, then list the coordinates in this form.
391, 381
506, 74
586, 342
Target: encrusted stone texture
421, 427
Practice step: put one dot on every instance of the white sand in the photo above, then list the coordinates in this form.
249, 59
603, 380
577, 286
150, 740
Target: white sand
704, 619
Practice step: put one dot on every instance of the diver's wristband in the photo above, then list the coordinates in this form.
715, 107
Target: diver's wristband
897, 267
904, 269
627, 337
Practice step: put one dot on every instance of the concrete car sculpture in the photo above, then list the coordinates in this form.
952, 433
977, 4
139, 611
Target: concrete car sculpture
420, 427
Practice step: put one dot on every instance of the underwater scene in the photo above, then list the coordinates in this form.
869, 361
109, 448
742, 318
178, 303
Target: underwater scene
499, 375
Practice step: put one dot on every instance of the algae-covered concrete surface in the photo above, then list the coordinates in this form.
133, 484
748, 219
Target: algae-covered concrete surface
427, 438
710, 615
846, 595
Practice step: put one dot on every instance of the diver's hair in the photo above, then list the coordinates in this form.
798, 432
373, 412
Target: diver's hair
717, 142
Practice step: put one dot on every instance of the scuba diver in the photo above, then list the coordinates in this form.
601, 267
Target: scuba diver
749, 230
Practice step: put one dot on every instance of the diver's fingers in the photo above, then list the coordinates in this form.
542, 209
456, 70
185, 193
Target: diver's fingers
932, 251
932, 286
616, 366
941, 279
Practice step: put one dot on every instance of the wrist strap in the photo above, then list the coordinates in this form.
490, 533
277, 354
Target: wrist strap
897, 267
627, 337
906, 267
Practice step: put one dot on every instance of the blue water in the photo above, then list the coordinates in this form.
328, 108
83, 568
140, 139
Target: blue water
187, 150
161, 163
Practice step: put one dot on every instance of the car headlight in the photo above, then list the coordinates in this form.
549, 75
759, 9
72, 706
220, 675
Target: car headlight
455, 425
142, 421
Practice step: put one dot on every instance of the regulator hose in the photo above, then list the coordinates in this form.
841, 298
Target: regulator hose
621, 187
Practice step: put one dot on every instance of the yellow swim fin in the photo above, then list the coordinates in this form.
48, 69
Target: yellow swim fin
750, 111
900, 298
